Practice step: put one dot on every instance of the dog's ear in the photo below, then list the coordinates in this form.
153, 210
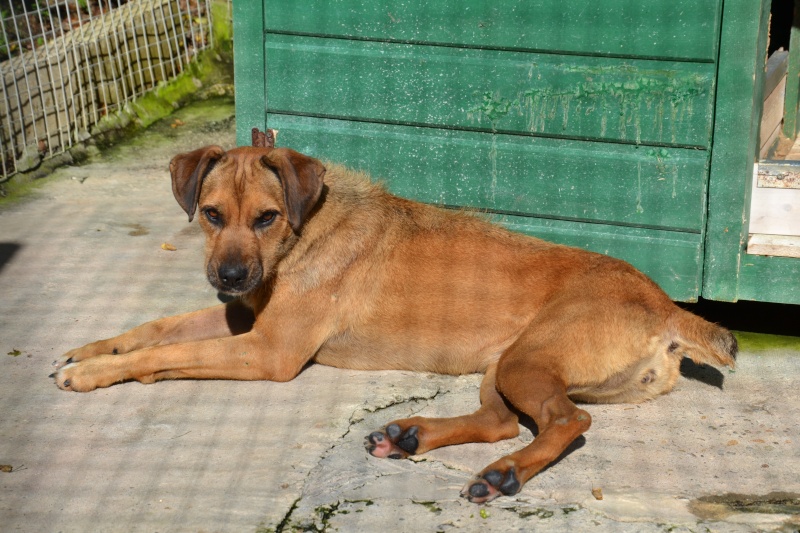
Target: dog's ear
301, 179
188, 171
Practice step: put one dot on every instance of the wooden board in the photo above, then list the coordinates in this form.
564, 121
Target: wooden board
772, 117
737, 120
249, 69
571, 180
635, 101
770, 145
791, 108
770, 279
775, 211
774, 245
677, 29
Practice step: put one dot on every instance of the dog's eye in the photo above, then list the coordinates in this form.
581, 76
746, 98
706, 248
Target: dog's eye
266, 218
212, 215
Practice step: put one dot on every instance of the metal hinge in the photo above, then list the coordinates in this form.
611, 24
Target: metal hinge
778, 175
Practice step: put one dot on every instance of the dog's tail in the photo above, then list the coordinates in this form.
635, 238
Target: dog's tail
700, 340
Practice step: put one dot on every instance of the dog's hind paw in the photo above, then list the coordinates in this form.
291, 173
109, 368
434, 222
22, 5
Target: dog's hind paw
490, 485
393, 442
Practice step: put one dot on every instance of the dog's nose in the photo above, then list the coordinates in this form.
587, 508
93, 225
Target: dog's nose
233, 276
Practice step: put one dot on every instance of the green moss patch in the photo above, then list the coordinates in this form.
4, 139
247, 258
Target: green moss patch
761, 342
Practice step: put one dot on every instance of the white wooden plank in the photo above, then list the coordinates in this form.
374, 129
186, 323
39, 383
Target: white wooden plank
775, 245
774, 211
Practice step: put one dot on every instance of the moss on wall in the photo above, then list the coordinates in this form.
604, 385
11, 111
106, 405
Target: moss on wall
760, 342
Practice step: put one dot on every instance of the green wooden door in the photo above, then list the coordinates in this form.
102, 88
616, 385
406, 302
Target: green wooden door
588, 123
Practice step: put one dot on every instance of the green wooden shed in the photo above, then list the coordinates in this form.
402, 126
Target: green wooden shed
630, 128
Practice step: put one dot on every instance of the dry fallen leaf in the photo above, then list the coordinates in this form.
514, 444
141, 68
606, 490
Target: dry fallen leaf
167, 246
597, 493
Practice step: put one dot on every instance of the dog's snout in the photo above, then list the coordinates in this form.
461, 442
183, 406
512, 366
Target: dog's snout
233, 276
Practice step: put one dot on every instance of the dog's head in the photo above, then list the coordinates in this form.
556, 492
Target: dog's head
252, 203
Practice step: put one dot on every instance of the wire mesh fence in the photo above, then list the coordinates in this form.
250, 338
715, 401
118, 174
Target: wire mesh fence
66, 64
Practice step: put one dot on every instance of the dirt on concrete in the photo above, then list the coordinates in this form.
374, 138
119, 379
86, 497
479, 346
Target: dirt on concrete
103, 247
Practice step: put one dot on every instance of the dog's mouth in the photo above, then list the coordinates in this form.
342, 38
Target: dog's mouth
234, 279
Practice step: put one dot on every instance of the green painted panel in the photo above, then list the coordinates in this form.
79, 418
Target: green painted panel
636, 101
736, 127
671, 259
623, 184
770, 279
248, 64
667, 29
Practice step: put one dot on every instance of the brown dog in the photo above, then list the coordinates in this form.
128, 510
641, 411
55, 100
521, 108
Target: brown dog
330, 268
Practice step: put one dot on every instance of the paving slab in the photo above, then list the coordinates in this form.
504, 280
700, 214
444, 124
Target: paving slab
82, 259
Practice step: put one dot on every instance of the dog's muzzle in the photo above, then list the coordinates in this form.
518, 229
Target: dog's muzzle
234, 278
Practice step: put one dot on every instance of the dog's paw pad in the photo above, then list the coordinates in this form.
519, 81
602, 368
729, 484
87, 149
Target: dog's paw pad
393, 442
490, 485
479, 491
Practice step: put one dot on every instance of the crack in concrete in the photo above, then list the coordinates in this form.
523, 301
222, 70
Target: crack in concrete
320, 520
326, 512
285, 521
360, 412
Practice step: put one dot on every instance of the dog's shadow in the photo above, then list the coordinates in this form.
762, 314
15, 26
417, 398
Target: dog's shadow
703, 373
225, 298
528, 423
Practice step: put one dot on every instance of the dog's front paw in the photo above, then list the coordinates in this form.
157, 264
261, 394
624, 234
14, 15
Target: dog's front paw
87, 375
489, 485
393, 442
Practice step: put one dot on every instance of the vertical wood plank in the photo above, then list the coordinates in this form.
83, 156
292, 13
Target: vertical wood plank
743, 46
249, 68
793, 79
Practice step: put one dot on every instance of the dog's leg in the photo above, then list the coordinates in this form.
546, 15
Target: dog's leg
244, 357
541, 394
219, 321
492, 422
275, 349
